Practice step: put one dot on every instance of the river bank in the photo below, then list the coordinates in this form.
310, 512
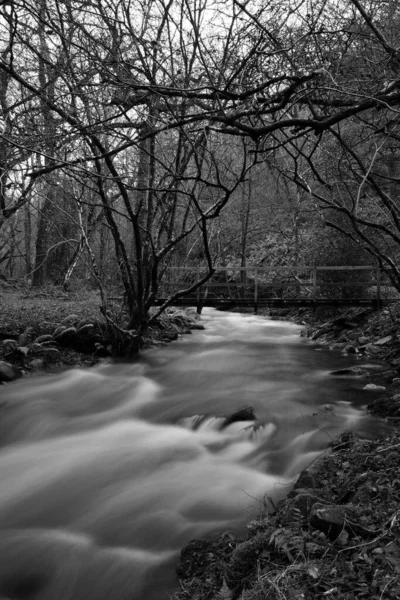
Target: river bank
337, 534
49, 329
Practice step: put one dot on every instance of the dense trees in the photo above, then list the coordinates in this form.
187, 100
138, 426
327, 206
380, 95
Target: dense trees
145, 125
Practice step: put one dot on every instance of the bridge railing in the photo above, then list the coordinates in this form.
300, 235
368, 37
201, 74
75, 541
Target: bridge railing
257, 285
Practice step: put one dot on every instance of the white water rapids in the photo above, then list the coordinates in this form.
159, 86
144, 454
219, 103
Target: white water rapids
106, 473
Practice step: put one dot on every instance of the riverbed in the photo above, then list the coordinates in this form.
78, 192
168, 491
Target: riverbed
107, 472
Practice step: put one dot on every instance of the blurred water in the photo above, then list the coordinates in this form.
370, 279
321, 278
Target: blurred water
106, 473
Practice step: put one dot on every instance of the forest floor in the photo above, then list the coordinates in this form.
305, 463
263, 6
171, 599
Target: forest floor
337, 534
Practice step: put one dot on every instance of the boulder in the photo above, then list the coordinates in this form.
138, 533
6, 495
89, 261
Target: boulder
66, 337
70, 320
37, 363
350, 372
198, 326
350, 349
244, 414
8, 372
59, 330
43, 338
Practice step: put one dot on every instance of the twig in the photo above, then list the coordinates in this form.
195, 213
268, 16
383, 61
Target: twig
389, 448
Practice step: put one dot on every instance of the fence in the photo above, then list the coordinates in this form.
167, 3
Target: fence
282, 285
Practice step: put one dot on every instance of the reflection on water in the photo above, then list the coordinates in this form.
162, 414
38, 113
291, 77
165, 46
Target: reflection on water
107, 472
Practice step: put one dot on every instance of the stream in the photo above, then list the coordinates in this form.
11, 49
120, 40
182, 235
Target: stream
106, 473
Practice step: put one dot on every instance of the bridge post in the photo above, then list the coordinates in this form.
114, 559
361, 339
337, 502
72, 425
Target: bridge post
378, 300
255, 291
314, 285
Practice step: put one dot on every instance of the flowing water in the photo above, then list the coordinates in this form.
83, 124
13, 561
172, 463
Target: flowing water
106, 473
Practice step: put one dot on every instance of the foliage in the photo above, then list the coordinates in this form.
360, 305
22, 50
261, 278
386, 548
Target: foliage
141, 136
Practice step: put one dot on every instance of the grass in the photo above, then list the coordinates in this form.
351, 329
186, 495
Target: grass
23, 307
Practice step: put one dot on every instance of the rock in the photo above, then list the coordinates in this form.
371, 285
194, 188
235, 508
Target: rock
383, 341
8, 372
244, 560
70, 320
82, 323
58, 330
321, 331
198, 326
10, 343
363, 340
37, 363
333, 519
244, 414
43, 338
351, 372
51, 354
372, 386
87, 328
47, 326
170, 335
66, 337
371, 349
351, 349
26, 337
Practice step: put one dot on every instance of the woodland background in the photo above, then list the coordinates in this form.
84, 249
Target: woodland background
137, 135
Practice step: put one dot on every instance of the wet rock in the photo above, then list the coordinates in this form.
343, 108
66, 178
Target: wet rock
198, 326
351, 372
8, 372
363, 340
244, 414
351, 349
373, 386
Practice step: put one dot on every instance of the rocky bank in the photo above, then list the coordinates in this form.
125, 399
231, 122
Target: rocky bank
337, 534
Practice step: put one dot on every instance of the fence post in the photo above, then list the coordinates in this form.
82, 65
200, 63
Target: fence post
378, 289
314, 285
198, 294
255, 290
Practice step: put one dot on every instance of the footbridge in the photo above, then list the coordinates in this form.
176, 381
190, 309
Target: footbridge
273, 286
